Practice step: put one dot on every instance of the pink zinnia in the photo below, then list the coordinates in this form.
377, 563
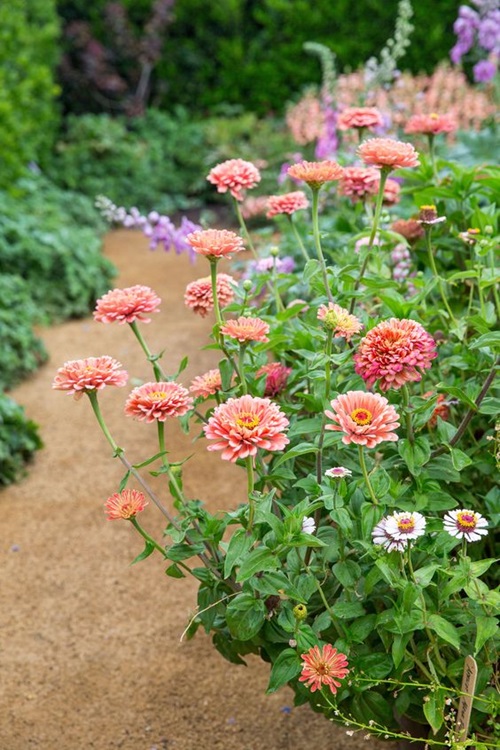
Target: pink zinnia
411, 229
198, 295
276, 377
234, 175
360, 117
124, 505
286, 204
323, 667
246, 329
207, 384
243, 425
215, 243
387, 153
127, 305
158, 401
339, 320
365, 418
394, 353
432, 124
392, 191
81, 376
359, 182
316, 173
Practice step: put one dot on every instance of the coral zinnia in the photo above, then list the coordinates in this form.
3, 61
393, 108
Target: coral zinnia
411, 229
207, 384
276, 377
392, 190
198, 295
80, 376
393, 353
465, 524
316, 173
359, 182
215, 243
323, 667
360, 117
246, 329
339, 320
432, 124
243, 425
125, 504
234, 175
127, 305
158, 401
364, 418
388, 154
286, 204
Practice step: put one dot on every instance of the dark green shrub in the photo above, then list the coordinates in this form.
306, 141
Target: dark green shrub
19, 439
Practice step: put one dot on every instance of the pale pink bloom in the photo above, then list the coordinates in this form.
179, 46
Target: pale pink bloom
287, 203
81, 376
364, 418
392, 191
125, 504
393, 353
158, 401
360, 117
127, 305
308, 525
338, 472
276, 377
359, 182
252, 208
408, 228
207, 384
198, 295
235, 175
246, 329
215, 243
323, 667
243, 425
388, 154
465, 524
432, 124
339, 320
384, 539
405, 526
316, 173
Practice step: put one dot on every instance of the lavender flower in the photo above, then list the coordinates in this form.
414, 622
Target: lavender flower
484, 71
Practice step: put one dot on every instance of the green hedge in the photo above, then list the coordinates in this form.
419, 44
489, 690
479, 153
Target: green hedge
19, 439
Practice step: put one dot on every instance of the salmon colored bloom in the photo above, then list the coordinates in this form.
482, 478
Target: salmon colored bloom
410, 229
215, 243
127, 305
243, 425
339, 320
316, 173
158, 401
207, 384
364, 418
198, 295
395, 352
323, 667
432, 124
286, 204
360, 117
276, 377
246, 329
359, 182
253, 207
81, 376
387, 153
392, 190
235, 175
125, 505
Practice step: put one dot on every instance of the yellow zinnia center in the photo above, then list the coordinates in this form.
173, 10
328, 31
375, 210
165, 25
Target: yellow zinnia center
466, 520
157, 395
361, 416
249, 421
406, 524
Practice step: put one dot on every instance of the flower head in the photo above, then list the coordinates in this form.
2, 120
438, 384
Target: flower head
387, 153
254, 206
215, 243
316, 173
276, 377
364, 418
338, 472
207, 384
198, 295
405, 526
442, 408
392, 191
432, 124
287, 203
428, 216
158, 401
465, 524
339, 320
125, 504
127, 305
243, 425
323, 667
235, 175
359, 182
81, 376
246, 329
384, 539
360, 117
393, 353
410, 229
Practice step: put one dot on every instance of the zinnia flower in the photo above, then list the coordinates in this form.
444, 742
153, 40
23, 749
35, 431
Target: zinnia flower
428, 216
127, 305
286, 204
253, 207
276, 377
215, 243
198, 295
246, 329
410, 229
387, 153
316, 173
338, 472
405, 526
359, 182
392, 191
465, 524
323, 667
360, 117
243, 425
207, 384
234, 175
125, 504
395, 352
365, 418
441, 409
158, 401
80, 376
384, 539
339, 320
432, 124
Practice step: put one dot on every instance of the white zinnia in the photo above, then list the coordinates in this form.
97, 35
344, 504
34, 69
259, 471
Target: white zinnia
404, 526
465, 524
380, 536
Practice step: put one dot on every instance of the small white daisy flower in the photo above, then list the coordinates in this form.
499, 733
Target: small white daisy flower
308, 525
380, 536
404, 526
338, 472
465, 524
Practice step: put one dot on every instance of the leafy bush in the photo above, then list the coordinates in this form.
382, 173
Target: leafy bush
19, 439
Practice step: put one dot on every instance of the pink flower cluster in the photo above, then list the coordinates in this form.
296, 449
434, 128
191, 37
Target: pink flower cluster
360, 117
339, 320
215, 243
276, 378
246, 329
158, 401
127, 305
199, 298
364, 418
235, 175
388, 153
206, 385
287, 203
81, 376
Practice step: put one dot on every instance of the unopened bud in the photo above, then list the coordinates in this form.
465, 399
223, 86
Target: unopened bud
300, 612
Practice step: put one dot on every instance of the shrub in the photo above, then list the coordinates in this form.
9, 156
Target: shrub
19, 439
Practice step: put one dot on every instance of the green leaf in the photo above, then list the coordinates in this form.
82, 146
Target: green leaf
174, 571
486, 627
347, 572
434, 709
399, 647
310, 270
445, 630
148, 550
179, 552
415, 454
479, 567
239, 544
275, 582
490, 340
361, 628
286, 667
459, 459
423, 576
348, 610
226, 373
259, 560
299, 450
245, 616
376, 666
124, 481
457, 393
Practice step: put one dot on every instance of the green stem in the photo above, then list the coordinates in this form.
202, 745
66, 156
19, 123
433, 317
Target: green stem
250, 489
102, 424
149, 539
479, 270
428, 230
409, 426
432, 154
317, 240
244, 229
241, 369
279, 304
299, 239
213, 277
159, 374
362, 463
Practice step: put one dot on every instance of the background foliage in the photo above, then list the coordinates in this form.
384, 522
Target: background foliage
18, 440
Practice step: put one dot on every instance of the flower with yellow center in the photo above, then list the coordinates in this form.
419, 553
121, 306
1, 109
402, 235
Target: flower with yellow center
362, 416
465, 524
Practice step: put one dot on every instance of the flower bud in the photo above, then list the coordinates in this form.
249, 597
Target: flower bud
300, 612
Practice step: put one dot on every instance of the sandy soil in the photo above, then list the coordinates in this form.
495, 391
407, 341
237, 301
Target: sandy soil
90, 649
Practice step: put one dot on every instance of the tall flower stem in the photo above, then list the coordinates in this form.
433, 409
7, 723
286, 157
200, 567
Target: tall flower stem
432, 154
241, 369
244, 229
362, 463
299, 239
149, 539
250, 489
279, 304
409, 426
213, 278
428, 230
153, 358
317, 240
100, 419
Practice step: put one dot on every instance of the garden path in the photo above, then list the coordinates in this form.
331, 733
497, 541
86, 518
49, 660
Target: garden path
90, 649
